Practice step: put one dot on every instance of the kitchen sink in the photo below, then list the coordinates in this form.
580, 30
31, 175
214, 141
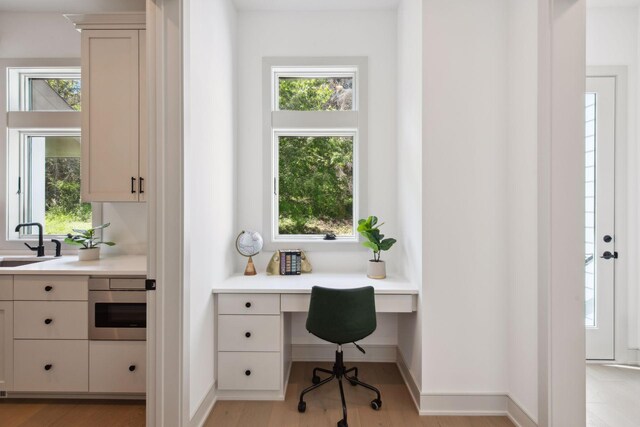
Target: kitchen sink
19, 262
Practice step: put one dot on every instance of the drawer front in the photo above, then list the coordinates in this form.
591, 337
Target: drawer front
248, 333
51, 288
67, 363
50, 319
117, 366
6, 288
263, 371
249, 304
385, 303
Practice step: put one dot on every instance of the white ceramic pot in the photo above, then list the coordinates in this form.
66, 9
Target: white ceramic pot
376, 270
88, 254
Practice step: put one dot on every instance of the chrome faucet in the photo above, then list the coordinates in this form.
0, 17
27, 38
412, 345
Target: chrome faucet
40, 247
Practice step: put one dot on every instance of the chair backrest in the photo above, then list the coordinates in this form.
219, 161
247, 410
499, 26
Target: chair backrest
342, 315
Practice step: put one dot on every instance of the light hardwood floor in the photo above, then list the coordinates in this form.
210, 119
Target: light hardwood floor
324, 408
613, 396
71, 413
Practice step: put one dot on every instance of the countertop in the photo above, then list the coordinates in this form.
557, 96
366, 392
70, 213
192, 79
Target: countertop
276, 284
117, 265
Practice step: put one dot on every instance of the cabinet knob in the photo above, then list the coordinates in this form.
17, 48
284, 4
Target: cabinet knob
48, 321
248, 305
247, 334
247, 372
48, 367
132, 368
48, 288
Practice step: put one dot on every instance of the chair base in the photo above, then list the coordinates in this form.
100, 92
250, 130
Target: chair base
338, 372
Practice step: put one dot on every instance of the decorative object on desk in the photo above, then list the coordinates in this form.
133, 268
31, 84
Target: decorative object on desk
249, 244
298, 263
89, 242
370, 230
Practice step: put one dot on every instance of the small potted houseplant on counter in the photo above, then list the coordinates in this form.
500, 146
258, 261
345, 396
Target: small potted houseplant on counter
370, 230
88, 241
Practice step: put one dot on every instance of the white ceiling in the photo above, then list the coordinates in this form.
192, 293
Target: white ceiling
71, 6
314, 4
612, 3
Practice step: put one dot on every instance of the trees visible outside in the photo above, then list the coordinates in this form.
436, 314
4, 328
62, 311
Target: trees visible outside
315, 172
68, 90
63, 209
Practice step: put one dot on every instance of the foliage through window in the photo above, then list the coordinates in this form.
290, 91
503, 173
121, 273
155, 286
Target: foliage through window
54, 94
315, 94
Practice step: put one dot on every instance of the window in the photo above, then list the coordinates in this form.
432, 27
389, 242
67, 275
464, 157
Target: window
316, 128
43, 152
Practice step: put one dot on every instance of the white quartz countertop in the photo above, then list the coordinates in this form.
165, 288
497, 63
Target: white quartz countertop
116, 265
276, 284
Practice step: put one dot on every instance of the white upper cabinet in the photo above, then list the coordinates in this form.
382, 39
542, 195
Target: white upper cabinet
114, 135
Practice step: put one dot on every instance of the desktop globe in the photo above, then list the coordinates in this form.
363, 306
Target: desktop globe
249, 244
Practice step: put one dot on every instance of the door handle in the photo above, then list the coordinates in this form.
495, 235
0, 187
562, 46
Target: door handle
133, 185
609, 255
141, 185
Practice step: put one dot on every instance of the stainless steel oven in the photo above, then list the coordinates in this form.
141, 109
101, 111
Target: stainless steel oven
117, 309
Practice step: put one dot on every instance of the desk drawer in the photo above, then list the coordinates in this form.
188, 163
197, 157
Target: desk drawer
385, 303
249, 371
51, 288
248, 333
67, 363
51, 319
249, 304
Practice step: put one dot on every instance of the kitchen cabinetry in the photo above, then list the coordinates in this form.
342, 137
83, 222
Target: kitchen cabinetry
114, 108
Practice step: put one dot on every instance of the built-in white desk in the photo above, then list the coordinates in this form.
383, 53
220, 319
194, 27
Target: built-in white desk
254, 325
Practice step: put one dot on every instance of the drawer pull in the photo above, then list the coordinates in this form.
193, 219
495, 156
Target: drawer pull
48, 288
132, 368
48, 321
247, 334
248, 305
48, 367
247, 372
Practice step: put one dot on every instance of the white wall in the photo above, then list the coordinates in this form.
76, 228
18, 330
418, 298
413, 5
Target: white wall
612, 40
464, 155
320, 33
209, 175
521, 257
409, 197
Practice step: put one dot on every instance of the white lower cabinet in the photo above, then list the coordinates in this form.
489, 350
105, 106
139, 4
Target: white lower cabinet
51, 320
51, 365
249, 371
6, 345
117, 366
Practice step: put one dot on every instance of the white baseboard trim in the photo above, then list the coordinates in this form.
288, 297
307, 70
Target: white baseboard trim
327, 353
517, 415
206, 406
409, 380
463, 404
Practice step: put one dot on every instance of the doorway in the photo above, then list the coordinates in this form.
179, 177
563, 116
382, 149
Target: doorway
600, 251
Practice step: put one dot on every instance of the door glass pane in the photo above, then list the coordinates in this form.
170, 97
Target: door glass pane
54, 94
315, 94
590, 216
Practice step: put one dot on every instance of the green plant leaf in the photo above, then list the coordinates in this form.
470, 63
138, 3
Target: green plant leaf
71, 241
373, 220
100, 227
107, 243
371, 246
386, 244
83, 232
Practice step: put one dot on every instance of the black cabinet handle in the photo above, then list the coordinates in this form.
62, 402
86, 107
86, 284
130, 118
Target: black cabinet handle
248, 305
132, 368
247, 334
133, 185
247, 372
141, 186
48, 321
48, 288
48, 367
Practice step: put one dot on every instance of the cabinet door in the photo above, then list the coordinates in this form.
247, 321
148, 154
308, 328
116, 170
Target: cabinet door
117, 366
110, 101
143, 114
6, 345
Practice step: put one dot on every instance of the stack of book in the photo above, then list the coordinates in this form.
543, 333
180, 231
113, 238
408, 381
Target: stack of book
290, 262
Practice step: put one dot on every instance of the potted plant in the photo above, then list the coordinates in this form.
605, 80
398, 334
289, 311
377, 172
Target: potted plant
88, 241
370, 230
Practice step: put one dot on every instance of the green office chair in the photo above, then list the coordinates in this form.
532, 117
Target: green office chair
341, 316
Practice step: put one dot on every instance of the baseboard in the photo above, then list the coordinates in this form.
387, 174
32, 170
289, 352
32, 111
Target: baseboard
204, 409
327, 353
409, 380
463, 404
88, 396
517, 415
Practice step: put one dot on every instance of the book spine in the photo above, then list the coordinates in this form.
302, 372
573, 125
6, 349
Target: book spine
282, 261
288, 267
299, 262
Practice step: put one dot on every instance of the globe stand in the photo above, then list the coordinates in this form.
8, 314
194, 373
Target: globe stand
251, 269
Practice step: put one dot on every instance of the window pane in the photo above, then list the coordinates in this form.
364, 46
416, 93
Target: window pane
54, 94
52, 187
315, 94
589, 220
315, 185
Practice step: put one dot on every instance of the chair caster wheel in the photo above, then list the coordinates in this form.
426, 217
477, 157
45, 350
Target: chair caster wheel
376, 404
353, 383
315, 379
342, 423
302, 406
